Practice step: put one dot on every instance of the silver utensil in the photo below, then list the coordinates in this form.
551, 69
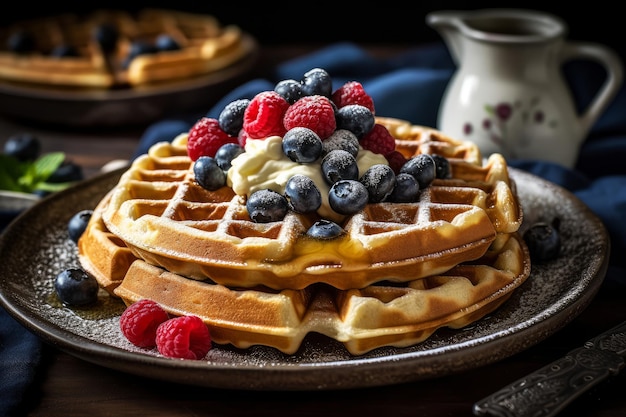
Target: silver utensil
547, 391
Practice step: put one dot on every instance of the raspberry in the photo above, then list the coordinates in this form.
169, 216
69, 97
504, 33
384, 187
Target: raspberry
264, 115
396, 160
185, 337
140, 320
378, 140
314, 112
352, 92
206, 137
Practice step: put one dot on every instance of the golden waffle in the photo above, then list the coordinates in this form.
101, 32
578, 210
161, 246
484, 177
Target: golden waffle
206, 46
362, 317
167, 219
384, 314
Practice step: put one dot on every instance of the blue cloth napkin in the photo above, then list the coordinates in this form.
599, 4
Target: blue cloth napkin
408, 86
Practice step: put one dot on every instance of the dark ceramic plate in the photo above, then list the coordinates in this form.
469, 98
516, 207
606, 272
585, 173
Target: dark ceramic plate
123, 106
35, 248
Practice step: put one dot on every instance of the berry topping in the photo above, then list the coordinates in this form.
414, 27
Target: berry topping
543, 241
208, 173
348, 196
165, 42
290, 90
341, 139
339, 165
315, 112
352, 92
266, 206
378, 140
206, 137
407, 190
140, 320
264, 115
442, 166
325, 229
356, 118
185, 337
64, 51
396, 160
422, 168
302, 145
379, 180
75, 287
21, 42
231, 117
226, 153
317, 82
106, 35
302, 194
78, 223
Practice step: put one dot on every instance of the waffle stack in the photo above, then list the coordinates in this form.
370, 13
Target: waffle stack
205, 47
400, 272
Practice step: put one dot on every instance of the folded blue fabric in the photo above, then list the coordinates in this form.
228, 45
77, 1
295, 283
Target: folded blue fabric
408, 86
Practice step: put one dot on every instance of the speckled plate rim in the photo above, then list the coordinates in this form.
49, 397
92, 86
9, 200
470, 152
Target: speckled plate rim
553, 296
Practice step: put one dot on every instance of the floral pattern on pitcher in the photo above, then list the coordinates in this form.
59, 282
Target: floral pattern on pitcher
500, 115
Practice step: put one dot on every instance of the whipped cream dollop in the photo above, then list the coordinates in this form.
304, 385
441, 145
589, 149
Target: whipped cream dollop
264, 165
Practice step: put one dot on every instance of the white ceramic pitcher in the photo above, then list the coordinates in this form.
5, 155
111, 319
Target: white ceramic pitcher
508, 94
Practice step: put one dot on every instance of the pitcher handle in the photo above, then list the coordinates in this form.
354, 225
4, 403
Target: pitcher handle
614, 76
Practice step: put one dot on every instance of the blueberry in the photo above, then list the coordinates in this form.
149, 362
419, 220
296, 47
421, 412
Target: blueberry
348, 196
23, 146
63, 51
442, 167
138, 47
325, 229
266, 206
75, 287
341, 139
68, 171
422, 167
379, 179
543, 241
208, 173
407, 189
165, 42
21, 42
230, 118
302, 194
339, 165
355, 118
226, 153
317, 82
302, 145
78, 223
290, 90
106, 35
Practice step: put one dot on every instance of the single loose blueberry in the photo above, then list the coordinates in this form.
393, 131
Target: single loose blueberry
23, 147
78, 223
68, 171
543, 241
75, 287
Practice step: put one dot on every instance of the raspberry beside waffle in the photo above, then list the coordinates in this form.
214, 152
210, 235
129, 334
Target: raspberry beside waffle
204, 46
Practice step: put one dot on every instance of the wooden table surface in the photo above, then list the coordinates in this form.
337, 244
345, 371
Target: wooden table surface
67, 386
